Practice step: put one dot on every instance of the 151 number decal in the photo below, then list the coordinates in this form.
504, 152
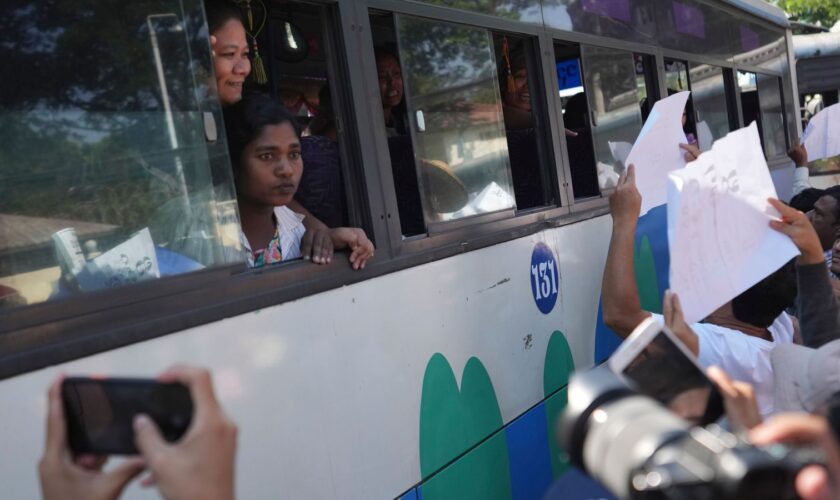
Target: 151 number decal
545, 277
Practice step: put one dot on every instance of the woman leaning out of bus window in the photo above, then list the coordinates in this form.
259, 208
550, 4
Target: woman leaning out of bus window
232, 66
264, 144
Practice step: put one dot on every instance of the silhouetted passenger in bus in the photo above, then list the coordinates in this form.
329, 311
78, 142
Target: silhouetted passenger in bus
391, 92
581, 152
265, 152
321, 187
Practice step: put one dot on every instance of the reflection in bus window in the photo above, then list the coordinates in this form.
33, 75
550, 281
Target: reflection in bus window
613, 95
772, 115
454, 113
95, 157
709, 98
520, 96
576, 121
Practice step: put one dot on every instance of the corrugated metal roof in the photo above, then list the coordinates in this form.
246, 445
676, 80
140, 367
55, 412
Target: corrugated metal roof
762, 9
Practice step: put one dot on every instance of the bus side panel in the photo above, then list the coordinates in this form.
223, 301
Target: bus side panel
328, 390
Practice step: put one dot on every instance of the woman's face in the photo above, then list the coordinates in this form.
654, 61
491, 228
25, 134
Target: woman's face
231, 61
270, 167
390, 80
520, 98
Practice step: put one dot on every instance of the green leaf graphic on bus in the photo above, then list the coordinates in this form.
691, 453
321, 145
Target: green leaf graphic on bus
646, 281
451, 422
558, 366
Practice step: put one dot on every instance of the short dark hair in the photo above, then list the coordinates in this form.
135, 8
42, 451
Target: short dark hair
762, 303
805, 199
245, 121
219, 12
834, 192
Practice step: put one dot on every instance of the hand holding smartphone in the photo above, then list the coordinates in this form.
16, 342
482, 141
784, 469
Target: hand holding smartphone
654, 361
100, 412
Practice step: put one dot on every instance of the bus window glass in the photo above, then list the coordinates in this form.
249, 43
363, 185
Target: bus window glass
113, 170
625, 19
521, 98
748, 88
576, 120
646, 83
694, 27
772, 117
528, 11
709, 99
615, 113
295, 50
454, 115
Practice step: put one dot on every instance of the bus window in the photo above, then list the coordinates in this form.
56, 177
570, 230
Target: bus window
708, 93
748, 89
576, 120
443, 114
107, 172
676, 80
520, 98
296, 51
646, 84
772, 115
615, 112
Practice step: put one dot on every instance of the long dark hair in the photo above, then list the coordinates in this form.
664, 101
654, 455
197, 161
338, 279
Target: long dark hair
246, 120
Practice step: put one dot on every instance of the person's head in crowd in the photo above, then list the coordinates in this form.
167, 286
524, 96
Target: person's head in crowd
574, 113
806, 379
390, 82
825, 216
762, 303
513, 75
324, 122
264, 144
199, 465
230, 49
835, 255
805, 199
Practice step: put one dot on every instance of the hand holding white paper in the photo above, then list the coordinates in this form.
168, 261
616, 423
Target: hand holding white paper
822, 135
719, 235
657, 150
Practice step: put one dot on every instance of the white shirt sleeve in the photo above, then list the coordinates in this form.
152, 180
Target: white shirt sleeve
801, 180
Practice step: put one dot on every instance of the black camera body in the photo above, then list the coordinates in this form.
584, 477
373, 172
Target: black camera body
639, 449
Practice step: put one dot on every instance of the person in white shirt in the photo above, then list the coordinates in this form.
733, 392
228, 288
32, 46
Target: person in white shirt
738, 336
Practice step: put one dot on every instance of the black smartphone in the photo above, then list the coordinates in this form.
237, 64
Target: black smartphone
100, 411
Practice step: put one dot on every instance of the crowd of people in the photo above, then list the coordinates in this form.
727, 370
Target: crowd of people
774, 350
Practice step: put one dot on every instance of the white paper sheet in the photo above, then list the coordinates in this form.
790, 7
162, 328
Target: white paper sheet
822, 135
719, 236
657, 150
131, 261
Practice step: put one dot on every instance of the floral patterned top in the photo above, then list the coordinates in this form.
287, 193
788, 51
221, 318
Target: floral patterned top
285, 245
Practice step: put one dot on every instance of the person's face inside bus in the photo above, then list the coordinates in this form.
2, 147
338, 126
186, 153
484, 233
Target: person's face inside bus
520, 98
390, 80
270, 167
231, 61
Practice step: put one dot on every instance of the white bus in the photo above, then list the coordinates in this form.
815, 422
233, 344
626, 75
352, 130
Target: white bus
437, 371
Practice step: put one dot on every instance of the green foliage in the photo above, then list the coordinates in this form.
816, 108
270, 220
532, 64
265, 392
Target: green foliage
826, 12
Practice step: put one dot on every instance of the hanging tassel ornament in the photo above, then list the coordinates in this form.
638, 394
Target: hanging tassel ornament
511, 84
260, 75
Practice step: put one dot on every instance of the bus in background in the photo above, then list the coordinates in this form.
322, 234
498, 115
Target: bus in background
476, 144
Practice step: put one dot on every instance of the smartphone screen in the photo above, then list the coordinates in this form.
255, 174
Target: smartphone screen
99, 412
663, 372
